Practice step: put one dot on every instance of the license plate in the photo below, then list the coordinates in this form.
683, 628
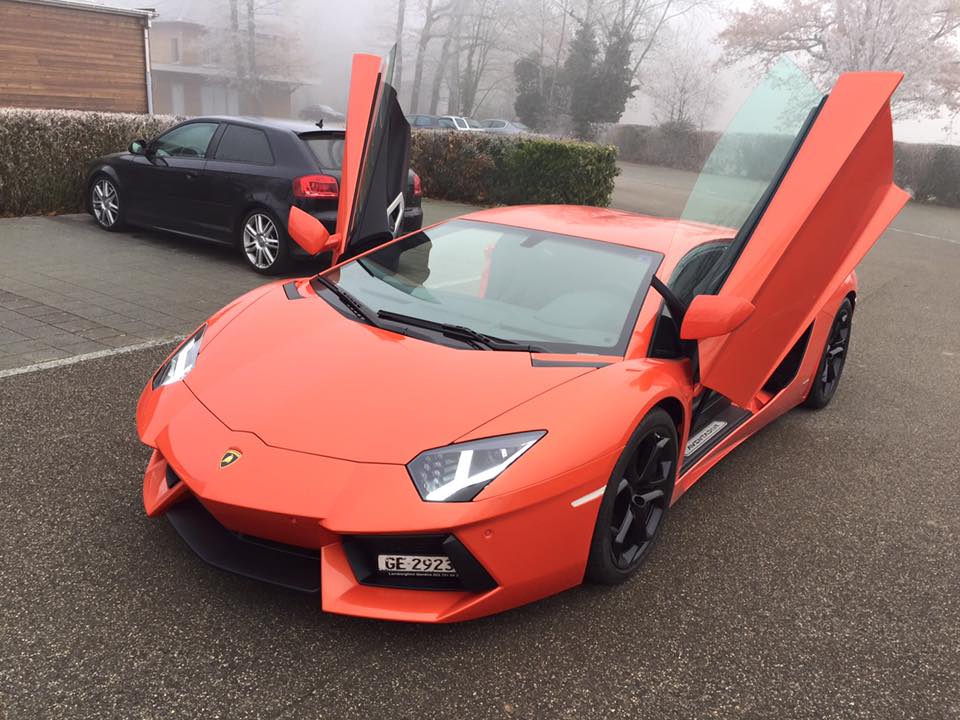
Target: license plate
415, 565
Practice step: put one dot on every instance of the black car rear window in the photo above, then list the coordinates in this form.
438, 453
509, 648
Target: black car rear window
327, 148
244, 144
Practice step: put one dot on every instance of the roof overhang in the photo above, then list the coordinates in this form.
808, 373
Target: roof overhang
144, 13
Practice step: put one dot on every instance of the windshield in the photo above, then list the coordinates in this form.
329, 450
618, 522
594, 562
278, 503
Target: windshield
561, 293
748, 156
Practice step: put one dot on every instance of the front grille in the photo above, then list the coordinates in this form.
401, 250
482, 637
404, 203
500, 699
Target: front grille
286, 565
362, 552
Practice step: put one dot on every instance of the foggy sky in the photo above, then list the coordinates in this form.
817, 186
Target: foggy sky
332, 30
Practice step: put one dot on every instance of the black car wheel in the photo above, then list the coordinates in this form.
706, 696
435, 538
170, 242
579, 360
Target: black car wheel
636, 501
825, 384
105, 203
264, 242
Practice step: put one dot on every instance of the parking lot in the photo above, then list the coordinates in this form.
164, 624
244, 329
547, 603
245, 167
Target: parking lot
813, 574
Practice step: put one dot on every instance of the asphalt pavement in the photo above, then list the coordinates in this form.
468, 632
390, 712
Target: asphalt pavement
815, 573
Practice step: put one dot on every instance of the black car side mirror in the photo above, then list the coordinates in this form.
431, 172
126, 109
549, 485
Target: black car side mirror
138, 147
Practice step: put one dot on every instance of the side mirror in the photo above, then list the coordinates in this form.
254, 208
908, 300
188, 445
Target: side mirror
308, 232
138, 147
714, 315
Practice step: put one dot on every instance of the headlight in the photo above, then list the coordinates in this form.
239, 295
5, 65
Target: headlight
181, 362
456, 473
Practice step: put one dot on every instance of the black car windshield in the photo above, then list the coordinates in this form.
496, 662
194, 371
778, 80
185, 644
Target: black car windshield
560, 293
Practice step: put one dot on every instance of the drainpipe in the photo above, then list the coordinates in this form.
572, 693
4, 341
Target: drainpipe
146, 59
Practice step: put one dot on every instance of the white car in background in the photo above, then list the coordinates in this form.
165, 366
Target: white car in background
465, 124
444, 122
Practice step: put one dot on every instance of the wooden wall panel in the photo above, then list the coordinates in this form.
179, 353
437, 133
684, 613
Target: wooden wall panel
59, 57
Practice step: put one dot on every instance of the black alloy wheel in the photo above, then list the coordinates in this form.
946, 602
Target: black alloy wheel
824, 385
636, 501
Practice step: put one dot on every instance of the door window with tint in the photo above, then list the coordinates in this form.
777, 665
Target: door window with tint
244, 144
749, 159
185, 141
693, 268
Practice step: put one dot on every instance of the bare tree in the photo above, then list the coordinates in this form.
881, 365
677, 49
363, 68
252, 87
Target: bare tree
682, 82
235, 32
253, 75
643, 20
398, 64
828, 37
447, 49
565, 13
433, 14
246, 48
486, 23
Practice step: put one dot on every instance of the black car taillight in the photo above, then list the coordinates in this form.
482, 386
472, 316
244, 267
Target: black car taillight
316, 187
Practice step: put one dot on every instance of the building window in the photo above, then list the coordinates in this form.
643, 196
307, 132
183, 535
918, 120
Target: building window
177, 98
175, 50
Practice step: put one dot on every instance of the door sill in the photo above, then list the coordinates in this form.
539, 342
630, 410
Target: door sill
710, 428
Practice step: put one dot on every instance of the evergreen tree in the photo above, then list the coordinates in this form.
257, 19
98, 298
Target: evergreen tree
614, 82
580, 75
531, 102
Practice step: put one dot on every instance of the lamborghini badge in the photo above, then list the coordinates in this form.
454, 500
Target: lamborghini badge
229, 458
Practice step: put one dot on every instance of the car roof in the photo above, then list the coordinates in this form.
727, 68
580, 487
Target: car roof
663, 235
297, 126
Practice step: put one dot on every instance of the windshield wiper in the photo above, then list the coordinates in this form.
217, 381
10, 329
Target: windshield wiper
353, 305
460, 332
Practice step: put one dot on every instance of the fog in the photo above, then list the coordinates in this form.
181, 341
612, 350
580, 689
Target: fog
301, 50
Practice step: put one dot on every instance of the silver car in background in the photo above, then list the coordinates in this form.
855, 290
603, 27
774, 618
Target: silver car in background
503, 127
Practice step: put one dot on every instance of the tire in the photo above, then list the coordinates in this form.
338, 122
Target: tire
642, 485
263, 242
105, 202
825, 383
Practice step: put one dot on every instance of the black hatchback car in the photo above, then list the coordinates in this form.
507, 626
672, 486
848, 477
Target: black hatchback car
231, 180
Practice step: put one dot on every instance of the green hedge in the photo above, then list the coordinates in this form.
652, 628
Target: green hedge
44, 156
510, 170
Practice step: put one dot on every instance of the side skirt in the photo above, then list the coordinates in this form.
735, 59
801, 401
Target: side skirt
713, 424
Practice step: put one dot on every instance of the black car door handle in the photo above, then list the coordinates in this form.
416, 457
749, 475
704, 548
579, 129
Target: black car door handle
191, 176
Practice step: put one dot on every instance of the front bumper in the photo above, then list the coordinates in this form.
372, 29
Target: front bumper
284, 516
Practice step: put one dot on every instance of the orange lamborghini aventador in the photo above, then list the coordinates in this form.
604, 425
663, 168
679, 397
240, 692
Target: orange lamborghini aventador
493, 409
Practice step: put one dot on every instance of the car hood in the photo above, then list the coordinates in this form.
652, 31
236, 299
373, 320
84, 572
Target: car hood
303, 377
